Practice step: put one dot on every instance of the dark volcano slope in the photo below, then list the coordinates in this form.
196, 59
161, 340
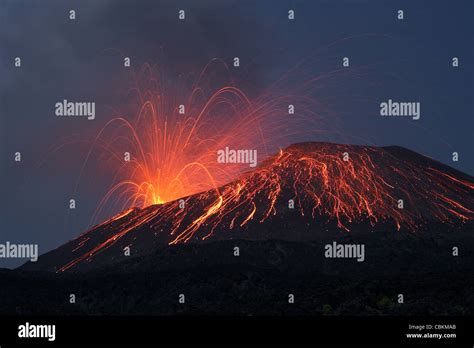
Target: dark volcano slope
317, 192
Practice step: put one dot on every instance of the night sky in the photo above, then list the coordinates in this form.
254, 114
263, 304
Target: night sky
406, 60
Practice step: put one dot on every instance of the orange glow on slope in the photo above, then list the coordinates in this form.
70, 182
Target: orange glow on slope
321, 183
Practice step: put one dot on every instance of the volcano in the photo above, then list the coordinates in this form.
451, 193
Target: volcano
306, 192
242, 248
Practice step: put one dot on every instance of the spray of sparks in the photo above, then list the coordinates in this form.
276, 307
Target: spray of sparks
172, 143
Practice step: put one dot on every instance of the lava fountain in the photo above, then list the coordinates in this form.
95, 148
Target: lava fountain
169, 149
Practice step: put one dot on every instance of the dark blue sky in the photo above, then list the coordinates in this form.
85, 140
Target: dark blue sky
407, 60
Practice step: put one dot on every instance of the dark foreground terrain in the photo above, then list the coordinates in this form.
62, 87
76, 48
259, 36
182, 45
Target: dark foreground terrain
258, 282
